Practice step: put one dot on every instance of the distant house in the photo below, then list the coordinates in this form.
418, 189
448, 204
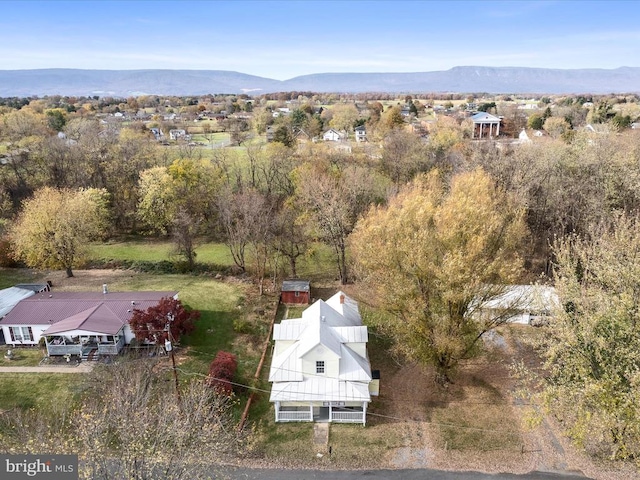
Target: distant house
157, 133
360, 133
77, 323
524, 304
523, 137
179, 133
485, 125
301, 135
333, 135
320, 369
296, 292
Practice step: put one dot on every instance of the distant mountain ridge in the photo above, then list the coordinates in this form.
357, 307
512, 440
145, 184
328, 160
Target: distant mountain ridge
125, 83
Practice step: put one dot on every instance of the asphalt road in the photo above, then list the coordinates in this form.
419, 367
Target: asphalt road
413, 474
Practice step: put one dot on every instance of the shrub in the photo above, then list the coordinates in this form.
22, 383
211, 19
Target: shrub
221, 372
242, 325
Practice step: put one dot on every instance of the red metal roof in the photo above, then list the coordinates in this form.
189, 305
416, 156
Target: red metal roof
49, 308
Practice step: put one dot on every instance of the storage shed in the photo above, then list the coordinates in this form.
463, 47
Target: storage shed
295, 292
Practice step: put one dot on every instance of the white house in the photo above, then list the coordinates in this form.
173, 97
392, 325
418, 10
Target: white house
179, 133
77, 323
320, 369
333, 135
485, 125
361, 133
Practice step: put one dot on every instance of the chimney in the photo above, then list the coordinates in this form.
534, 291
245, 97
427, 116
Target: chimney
342, 299
105, 290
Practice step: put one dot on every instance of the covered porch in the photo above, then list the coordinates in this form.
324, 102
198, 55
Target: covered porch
82, 345
333, 412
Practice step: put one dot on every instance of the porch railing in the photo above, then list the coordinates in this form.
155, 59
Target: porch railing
302, 416
75, 349
347, 417
111, 348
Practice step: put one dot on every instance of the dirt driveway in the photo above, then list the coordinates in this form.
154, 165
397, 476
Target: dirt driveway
481, 405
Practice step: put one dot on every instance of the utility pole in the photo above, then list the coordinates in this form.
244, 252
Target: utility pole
169, 348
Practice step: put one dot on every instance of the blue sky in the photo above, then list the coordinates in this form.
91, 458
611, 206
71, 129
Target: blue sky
283, 39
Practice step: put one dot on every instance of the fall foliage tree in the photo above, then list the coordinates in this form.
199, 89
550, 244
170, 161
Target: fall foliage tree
151, 324
431, 255
180, 200
591, 346
55, 226
333, 197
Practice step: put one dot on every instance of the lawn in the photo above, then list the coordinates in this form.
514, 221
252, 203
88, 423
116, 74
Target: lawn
21, 357
220, 303
37, 390
152, 250
11, 276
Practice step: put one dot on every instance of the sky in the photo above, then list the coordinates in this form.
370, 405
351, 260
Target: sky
284, 39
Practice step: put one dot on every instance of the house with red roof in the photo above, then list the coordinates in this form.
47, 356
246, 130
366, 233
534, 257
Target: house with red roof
78, 323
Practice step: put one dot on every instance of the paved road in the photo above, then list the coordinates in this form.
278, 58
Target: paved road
413, 474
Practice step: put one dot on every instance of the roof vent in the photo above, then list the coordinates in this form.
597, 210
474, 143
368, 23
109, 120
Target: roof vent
323, 318
105, 290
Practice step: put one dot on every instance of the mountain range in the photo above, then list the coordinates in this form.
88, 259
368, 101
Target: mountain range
125, 83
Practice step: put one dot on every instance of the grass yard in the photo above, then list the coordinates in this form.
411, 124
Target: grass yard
11, 276
481, 420
151, 250
37, 390
21, 357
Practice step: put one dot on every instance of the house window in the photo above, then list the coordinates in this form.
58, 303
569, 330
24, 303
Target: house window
297, 293
320, 367
21, 334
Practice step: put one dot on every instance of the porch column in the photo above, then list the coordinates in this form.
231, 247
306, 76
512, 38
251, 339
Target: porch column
311, 411
46, 342
490, 129
498, 129
277, 405
330, 413
364, 414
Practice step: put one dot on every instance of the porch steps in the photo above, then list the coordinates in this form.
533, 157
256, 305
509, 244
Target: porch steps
91, 356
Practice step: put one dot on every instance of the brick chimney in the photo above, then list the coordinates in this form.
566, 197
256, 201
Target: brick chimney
342, 299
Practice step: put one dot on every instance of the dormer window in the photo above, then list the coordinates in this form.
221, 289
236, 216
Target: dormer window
320, 367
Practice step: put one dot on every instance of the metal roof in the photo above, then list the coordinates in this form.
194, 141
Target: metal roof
50, 308
321, 325
10, 297
99, 319
347, 307
525, 298
320, 389
295, 286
